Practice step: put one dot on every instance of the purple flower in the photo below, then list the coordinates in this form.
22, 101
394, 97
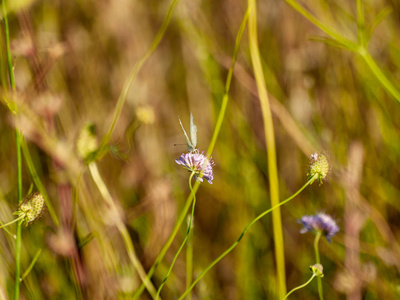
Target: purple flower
320, 222
199, 164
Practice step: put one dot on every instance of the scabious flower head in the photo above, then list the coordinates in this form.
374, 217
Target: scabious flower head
319, 165
31, 208
199, 164
321, 223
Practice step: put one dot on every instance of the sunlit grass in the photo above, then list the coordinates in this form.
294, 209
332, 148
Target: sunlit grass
268, 86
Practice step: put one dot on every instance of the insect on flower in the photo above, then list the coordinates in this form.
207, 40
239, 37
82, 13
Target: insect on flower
199, 164
192, 142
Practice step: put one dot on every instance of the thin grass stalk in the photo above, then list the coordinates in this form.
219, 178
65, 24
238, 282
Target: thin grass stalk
189, 262
121, 228
271, 152
137, 67
300, 286
18, 137
361, 33
317, 259
325, 28
37, 181
26, 273
226, 252
184, 240
210, 149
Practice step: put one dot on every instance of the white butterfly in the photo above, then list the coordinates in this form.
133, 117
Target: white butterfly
192, 142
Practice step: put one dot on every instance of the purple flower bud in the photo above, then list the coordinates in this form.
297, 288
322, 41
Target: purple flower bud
320, 222
199, 164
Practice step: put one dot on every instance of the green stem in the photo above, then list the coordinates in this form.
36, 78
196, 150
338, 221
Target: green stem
189, 261
300, 286
226, 252
129, 81
361, 24
379, 74
359, 47
317, 237
94, 171
18, 149
13, 221
210, 149
9, 58
9, 233
184, 240
31, 265
271, 151
225, 97
328, 30
37, 181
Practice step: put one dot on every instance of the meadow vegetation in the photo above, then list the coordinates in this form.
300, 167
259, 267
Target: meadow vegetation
292, 185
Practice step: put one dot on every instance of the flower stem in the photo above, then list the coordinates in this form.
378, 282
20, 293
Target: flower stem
189, 261
300, 286
13, 221
210, 149
270, 143
226, 252
317, 237
184, 240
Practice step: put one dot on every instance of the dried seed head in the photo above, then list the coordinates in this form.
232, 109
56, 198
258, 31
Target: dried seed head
87, 141
319, 165
31, 208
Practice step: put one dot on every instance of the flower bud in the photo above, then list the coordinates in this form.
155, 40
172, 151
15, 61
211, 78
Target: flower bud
318, 270
319, 166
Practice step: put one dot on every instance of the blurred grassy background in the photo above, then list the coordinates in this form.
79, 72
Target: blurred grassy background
71, 59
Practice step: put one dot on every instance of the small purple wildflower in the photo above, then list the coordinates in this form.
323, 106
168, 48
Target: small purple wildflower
320, 222
199, 164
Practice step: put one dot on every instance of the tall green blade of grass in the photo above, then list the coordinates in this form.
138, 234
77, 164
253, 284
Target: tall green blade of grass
270, 141
18, 138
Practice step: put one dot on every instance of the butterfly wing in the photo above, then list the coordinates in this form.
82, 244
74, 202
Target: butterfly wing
188, 142
193, 133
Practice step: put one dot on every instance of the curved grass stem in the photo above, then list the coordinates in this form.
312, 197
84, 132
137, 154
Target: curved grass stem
226, 252
300, 286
